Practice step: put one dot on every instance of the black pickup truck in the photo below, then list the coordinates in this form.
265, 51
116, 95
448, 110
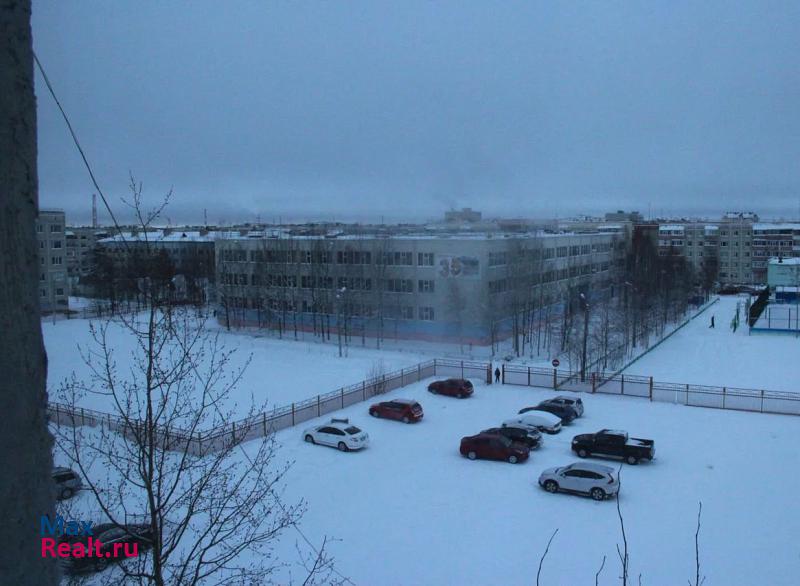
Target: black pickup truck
615, 444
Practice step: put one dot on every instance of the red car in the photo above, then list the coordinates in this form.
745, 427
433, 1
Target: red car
404, 410
490, 446
452, 387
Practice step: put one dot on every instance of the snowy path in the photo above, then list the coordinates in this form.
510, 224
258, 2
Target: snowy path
698, 354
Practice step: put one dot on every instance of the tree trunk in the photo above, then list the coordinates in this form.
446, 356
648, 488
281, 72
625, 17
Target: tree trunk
26, 491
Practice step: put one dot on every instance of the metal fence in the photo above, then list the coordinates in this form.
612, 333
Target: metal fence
261, 425
738, 399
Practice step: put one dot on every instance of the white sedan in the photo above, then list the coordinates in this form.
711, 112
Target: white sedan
338, 434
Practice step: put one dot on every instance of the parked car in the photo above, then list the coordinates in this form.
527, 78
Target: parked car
564, 412
540, 420
405, 410
67, 482
339, 433
452, 387
493, 447
524, 435
598, 481
615, 444
108, 534
562, 400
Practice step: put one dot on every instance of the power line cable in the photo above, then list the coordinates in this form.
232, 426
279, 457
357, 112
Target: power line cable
80, 149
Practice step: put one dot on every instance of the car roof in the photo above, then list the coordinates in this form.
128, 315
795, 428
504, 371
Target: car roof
592, 467
566, 398
544, 414
403, 401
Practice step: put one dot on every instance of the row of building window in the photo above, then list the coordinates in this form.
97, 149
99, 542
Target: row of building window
316, 282
54, 228
343, 257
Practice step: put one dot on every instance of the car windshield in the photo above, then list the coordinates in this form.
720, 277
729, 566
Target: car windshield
352, 430
504, 440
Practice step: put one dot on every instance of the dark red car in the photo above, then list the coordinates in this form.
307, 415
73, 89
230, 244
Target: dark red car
404, 410
452, 387
493, 447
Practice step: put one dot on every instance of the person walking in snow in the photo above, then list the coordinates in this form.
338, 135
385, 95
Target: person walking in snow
712, 322
497, 375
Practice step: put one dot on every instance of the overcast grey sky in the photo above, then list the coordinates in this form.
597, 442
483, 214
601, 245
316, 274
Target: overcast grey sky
406, 109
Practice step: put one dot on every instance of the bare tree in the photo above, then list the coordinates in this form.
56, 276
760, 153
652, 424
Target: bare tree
544, 555
697, 580
211, 506
623, 555
26, 489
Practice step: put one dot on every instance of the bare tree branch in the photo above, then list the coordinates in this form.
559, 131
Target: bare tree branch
544, 555
597, 575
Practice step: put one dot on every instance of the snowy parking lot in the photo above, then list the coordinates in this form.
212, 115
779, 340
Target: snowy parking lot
411, 510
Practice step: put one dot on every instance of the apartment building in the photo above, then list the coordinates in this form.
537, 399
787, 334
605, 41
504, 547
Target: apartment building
53, 284
427, 286
726, 246
190, 255
773, 241
735, 243
81, 241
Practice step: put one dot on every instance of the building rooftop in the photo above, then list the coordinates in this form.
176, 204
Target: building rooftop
776, 226
784, 261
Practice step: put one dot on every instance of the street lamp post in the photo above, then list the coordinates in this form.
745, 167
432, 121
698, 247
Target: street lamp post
585, 306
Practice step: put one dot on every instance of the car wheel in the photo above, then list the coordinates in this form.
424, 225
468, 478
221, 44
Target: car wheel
472, 455
582, 453
66, 493
310, 438
598, 494
406, 420
551, 486
512, 459
632, 460
462, 395
100, 564
342, 447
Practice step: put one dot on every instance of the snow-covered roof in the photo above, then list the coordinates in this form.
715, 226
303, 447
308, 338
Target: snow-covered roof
176, 236
784, 261
776, 226
671, 227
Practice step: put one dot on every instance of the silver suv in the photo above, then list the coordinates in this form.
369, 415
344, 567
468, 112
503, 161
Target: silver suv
67, 482
598, 481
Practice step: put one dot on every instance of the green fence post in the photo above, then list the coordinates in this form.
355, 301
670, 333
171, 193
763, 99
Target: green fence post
651, 388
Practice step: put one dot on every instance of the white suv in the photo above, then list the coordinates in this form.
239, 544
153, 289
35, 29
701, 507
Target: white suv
598, 481
338, 434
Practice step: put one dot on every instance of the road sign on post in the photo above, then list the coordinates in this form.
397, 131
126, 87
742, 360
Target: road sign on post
556, 362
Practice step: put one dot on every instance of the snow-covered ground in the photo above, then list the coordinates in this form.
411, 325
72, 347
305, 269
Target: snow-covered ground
700, 355
410, 510
280, 372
